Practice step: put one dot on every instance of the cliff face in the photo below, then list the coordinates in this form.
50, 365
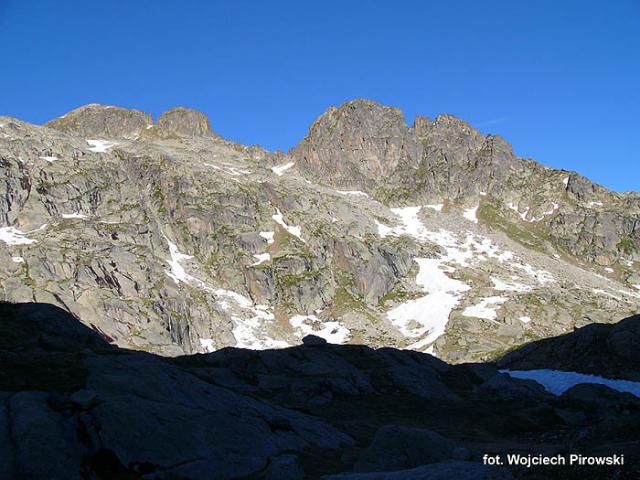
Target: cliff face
168, 238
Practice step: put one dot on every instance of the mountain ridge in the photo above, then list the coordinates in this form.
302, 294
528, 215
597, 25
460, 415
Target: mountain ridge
178, 241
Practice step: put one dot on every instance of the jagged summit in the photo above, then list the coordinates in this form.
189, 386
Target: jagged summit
108, 121
434, 237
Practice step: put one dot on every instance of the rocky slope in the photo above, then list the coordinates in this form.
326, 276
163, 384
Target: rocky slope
74, 406
167, 238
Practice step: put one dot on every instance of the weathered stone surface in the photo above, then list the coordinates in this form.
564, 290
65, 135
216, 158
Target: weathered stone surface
102, 122
185, 121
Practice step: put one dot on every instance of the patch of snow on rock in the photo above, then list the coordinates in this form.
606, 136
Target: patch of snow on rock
100, 146
352, 192
268, 236
428, 315
437, 207
487, 308
17, 259
13, 236
558, 382
525, 319
280, 169
205, 343
74, 215
293, 230
471, 214
50, 158
261, 258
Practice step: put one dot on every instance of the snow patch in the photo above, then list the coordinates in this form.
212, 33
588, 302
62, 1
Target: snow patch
471, 214
525, 319
205, 343
293, 230
565, 181
13, 236
50, 158
437, 207
332, 332
558, 382
280, 169
428, 315
74, 215
352, 192
17, 259
261, 258
268, 236
100, 146
487, 308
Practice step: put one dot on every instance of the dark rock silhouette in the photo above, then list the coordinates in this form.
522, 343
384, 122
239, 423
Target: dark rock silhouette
601, 349
74, 406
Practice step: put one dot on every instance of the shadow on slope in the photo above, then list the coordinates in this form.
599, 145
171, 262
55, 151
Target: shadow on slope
73, 406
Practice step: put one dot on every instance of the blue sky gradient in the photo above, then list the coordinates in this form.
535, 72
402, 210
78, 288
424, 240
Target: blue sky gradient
559, 80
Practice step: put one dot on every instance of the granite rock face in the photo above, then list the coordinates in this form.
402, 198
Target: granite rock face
102, 121
185, 121
435, 237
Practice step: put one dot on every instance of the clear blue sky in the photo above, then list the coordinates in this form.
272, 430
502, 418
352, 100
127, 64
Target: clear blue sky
560, 80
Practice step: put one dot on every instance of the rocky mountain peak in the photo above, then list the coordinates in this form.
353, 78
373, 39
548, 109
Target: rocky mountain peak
354, 144
185, 122
102, 121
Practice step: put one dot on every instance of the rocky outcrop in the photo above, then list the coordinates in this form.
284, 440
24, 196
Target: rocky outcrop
598, 349
355, 145
102, 121
185, 122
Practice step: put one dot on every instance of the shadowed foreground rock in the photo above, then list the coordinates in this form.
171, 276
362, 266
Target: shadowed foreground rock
74, 406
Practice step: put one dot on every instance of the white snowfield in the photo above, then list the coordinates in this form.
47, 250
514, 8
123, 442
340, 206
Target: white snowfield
558, 381
425, 319
13, 236
293, 230
280, 169
332, 331
74, 215
100, 146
